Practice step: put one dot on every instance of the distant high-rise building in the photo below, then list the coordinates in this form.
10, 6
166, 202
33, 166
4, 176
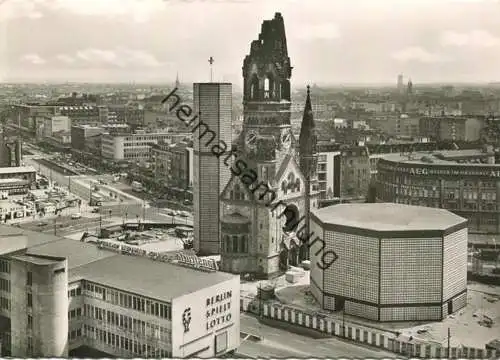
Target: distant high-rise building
213, 104
10, 150
409, 89
400, 83
177, 82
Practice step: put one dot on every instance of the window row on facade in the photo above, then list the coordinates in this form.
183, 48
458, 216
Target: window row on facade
75, 292
74, 334
75, 313
5, 285
235, 244
123, 343
4, 303
134, 302
128, 323
4, 266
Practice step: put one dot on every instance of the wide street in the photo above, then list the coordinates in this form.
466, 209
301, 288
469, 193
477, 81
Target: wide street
278, 343
63, 225
130, 212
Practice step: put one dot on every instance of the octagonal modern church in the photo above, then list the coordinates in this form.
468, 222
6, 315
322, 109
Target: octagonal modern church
395, 262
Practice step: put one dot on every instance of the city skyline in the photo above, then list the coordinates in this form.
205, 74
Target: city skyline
330, 43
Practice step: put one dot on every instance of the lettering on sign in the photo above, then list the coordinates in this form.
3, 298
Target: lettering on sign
218, 309
424, 171
183, 259
129, 250
197, 263
108, 245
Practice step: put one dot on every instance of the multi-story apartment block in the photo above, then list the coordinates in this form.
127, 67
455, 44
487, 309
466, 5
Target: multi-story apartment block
56, 124
396, 124
298, 107
81, 132
354, 172
374, 106
173, 163
80, 114
132, 115
343, 171
62, 298
135, 147
453, 128
25, 115
103, 114
329, 174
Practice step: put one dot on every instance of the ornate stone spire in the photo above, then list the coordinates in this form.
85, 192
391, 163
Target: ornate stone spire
308, 138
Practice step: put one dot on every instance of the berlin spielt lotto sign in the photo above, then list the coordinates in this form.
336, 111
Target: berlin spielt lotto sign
218, 309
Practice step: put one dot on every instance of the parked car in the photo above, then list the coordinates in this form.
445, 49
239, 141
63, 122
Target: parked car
76, 216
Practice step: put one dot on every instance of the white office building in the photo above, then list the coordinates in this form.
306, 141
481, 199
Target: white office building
65, 298
135, 147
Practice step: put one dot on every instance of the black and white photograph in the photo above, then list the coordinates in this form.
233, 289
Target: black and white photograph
253, 179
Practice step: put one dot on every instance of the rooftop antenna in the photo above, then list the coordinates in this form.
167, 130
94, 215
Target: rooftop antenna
211, 62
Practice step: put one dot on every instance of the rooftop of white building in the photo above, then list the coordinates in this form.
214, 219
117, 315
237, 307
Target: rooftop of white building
147, 277
388, 217
440, 157
140, 275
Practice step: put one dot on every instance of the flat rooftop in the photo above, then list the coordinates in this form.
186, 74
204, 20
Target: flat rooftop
78, 253
447, 158
35, 259
388, 217
463, 153
141, 275
16, 170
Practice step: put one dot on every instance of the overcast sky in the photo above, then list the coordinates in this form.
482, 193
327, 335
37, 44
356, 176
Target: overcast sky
329, 41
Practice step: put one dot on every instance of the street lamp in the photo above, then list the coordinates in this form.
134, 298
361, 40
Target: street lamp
343, 323
124, 219
259, 293
55, 224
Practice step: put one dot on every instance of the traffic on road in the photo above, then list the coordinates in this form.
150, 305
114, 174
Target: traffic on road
270, 342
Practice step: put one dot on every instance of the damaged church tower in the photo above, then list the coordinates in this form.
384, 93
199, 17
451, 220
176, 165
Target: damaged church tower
265, 200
